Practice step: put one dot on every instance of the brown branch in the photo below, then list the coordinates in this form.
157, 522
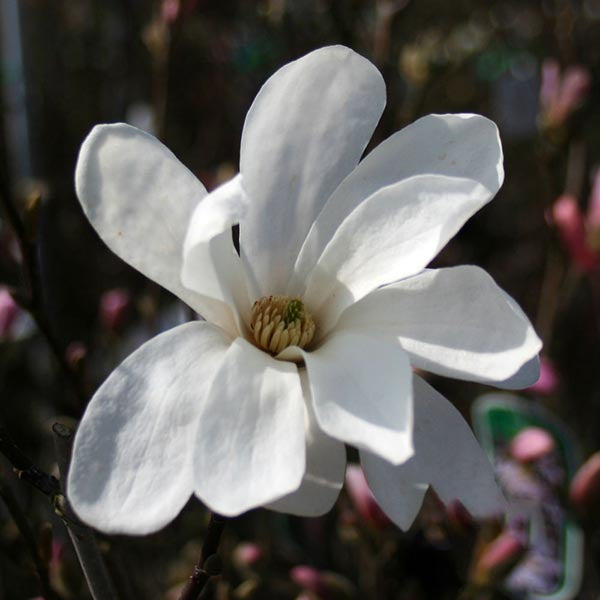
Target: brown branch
209, 563
32, 297
28, 536
25, 469
82, 537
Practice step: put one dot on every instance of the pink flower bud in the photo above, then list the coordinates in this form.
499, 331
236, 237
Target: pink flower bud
531, 444
169, 11
550, 85
75, 354
9, 311
575, 86
362, 498
114, 309
500, 556
593, 213
569, 221
247, 554
548, 381
307, 577
459, 517
584, 491
561, 95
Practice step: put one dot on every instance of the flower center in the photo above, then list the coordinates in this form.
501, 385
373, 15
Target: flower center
279, 322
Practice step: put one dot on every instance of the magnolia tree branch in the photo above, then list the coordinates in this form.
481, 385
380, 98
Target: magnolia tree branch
28, 536
209, 563
25, 469
31, 299
83, 538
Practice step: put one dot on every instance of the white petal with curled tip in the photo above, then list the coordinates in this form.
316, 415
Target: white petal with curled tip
250, 446
399, 498
466, 146
140, 198
211, 266
131, 470
447, 456
305, 131
362, 392
454, 322
325, 467
391, 235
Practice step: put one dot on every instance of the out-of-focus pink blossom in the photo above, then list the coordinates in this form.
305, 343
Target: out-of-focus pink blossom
307, 577
169, 11
593, 213
561, 94
114, 309
75, 354
362, 498
500, 556
531, 444
548, 381
459, 517
584, 490
571, 227
9, 311
322, 584
550, 84
247, 554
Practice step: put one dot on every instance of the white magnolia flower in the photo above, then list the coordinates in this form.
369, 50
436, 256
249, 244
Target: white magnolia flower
311, 332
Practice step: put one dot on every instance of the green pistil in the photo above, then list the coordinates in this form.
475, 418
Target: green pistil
293, 311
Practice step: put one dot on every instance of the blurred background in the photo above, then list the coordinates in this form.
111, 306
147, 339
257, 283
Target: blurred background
187, 71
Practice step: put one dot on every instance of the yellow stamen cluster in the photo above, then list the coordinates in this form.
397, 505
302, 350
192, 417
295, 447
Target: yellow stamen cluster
279, 322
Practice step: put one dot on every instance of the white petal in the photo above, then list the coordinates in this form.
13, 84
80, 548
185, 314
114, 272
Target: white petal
131, 470
455, 322
211, 266
362, 392
250, 446
527, 375
325, 467
447, 456
140, 198
399, 498
466, 146
393, 234
305, 131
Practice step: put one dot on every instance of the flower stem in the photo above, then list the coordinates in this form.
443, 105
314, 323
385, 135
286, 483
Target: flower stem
209, 563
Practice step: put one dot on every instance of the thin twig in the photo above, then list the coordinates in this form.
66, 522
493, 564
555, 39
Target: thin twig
28, 536
83, 538
32, 298
209, 563
25, 469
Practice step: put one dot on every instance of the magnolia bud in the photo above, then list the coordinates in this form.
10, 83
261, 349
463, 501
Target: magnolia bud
247, 554
362, 498
584, 490
531, 444
114, 309
307, 577
499, 557
9, 311
569, 221
548, 380
75, 355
